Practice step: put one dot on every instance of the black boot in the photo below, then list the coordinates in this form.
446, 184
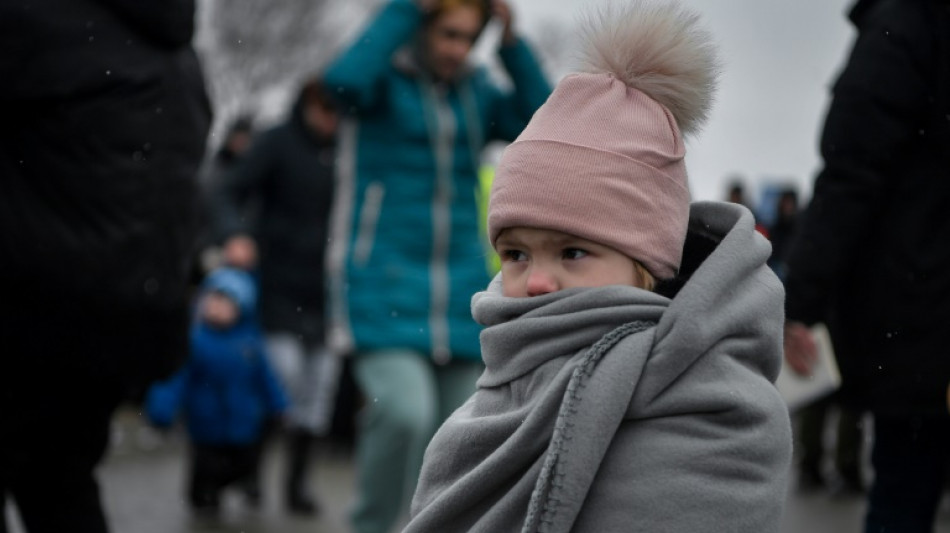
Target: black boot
299, 446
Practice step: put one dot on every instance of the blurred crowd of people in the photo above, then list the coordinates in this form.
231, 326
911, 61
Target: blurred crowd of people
324, 266
779, 214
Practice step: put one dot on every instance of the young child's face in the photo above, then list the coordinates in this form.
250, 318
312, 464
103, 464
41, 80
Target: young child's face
219, 311
538, 261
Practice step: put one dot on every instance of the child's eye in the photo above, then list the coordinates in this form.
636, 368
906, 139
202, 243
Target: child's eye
513, 255
573, 253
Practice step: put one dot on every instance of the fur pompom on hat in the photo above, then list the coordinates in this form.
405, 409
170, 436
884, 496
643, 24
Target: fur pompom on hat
602, 159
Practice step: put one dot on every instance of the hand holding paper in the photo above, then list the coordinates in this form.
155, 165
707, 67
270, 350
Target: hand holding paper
809, 370
800, 351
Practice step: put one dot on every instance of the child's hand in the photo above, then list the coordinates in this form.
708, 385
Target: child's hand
800, 350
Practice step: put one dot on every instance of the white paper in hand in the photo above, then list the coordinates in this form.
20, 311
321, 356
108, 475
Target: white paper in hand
797, 390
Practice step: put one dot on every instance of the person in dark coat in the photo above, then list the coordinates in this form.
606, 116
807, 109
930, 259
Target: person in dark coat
288, 171
873, 260
236, 142
814, 417
227, 389
782, 231
105, 119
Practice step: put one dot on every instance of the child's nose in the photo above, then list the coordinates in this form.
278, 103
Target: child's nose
540, 281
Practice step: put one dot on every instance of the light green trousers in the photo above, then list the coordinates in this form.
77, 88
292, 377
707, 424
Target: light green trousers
407, 397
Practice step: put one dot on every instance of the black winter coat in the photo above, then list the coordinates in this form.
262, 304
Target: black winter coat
873, 256
288, 174
103, 125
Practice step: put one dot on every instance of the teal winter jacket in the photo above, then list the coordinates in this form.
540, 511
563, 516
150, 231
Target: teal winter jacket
406, 252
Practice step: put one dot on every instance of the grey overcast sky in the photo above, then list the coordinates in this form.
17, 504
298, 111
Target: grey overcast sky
780, 59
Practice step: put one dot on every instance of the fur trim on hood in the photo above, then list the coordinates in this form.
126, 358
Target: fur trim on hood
659, 49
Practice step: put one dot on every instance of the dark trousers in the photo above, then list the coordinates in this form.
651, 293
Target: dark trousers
214, 467
848, 438
910, 458
55, 432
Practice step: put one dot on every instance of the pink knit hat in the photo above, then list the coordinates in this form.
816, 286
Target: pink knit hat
602, 159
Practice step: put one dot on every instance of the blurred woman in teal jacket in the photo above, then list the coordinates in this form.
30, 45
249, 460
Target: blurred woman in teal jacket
407, 253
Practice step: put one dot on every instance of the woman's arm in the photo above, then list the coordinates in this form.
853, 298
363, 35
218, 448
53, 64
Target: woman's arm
355, 76
531, 88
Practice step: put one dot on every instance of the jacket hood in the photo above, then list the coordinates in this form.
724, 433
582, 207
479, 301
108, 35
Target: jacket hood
297, 119
237, 285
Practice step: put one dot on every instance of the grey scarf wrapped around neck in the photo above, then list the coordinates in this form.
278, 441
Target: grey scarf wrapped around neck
617, 409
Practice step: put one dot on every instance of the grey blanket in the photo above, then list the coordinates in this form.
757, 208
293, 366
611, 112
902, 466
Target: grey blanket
617, 409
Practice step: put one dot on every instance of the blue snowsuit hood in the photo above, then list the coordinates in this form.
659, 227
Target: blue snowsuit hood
237, 285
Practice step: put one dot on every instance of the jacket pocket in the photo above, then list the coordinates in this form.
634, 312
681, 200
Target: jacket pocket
369, 218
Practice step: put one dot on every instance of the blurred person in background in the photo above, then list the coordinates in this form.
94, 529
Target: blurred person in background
407, 249
735, 192
873, 261
105, 119
237, 140
227, 391
813, 418
782, 230
288, 173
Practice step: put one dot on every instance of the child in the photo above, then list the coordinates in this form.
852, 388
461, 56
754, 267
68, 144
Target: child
631, 340
227, 387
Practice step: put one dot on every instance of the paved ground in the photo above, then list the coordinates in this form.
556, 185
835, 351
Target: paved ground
142, 482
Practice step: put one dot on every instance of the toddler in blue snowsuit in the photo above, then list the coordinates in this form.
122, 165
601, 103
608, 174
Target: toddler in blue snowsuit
227, 388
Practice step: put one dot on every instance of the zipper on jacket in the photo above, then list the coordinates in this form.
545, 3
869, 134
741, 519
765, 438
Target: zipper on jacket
369, 217
473, 123
442, 131
339, 333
